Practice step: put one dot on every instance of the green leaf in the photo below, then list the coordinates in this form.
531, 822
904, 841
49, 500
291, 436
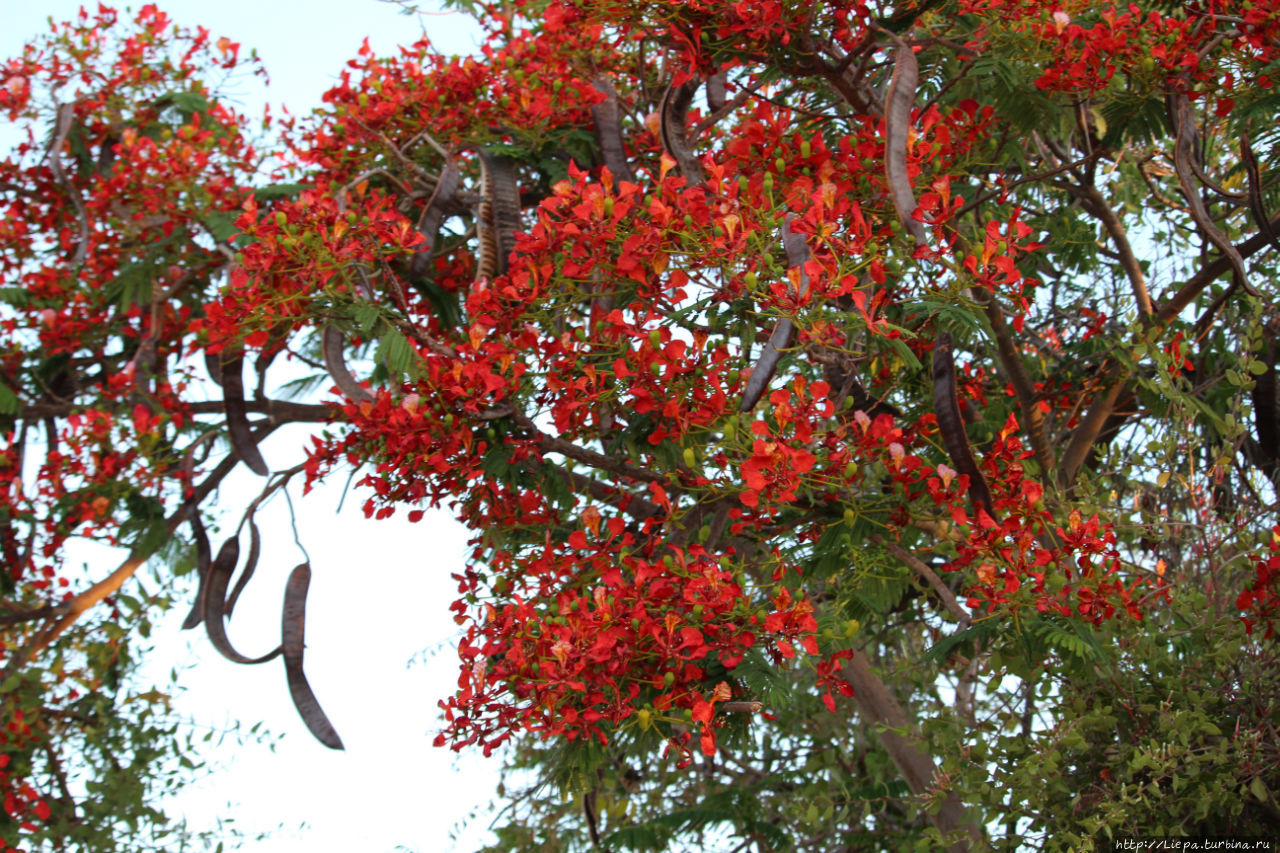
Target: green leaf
221, 225
277, 191
9, 402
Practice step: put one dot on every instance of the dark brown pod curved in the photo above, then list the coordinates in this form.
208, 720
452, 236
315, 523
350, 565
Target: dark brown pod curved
717, 92
213, 364
1257, 208
501, 207
242, 441
331, 345
293, 630
204, 556
433, 215
898, 104
609, 130
215, 595
1265, 400
767, 364
250, 566
675, 134
946, 407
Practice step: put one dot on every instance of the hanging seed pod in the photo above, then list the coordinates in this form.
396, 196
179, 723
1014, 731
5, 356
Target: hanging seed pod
246, 449
204, 557
499, 214
1257, 208
432, 218
215, 591
250, 566
899, 101
675, 135
946, 406
331, 345
293, 629
609, 130
767, 364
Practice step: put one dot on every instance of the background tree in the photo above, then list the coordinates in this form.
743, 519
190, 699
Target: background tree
867, 414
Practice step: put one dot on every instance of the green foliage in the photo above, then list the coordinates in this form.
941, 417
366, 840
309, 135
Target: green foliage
1168, 733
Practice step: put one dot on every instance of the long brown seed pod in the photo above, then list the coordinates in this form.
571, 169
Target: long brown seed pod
675, 134
65, 120
767, 364
433, 215
609, 130
1184, 158
242, 441
1264, 399
486, 234
331, 346
1257, 208
499, 218
946, 407
250, 566
898, 103
716, 91
293, 631
741, 707
214, 598
204, 556
213, 364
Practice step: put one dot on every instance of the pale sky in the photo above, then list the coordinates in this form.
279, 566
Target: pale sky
379, 633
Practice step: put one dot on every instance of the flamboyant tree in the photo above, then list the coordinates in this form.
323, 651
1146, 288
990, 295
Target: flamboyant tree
866, 412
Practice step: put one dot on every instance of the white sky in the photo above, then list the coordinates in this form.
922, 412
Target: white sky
379, 651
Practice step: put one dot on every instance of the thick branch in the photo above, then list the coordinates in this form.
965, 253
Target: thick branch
1086, 434
1011, 361
1115, 377
1209, 273
551, 444
277, 411
1096, 205
879, 708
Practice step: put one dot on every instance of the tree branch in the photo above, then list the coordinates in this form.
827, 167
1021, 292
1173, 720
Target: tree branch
929, 575
1095, 204
551, 444
1011, 361
879, 707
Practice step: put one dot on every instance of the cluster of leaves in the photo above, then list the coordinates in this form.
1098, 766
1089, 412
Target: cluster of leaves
777, 354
